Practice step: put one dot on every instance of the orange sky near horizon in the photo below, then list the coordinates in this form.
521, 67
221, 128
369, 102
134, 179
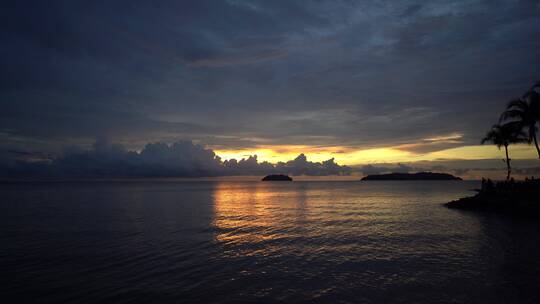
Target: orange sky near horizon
358, 156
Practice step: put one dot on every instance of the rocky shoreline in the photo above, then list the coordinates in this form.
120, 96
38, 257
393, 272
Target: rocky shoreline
509, 197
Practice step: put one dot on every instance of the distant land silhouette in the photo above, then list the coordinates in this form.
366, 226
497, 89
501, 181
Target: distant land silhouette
277, 177
411, 176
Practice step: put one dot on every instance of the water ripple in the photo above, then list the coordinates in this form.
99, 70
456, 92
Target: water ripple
230, 242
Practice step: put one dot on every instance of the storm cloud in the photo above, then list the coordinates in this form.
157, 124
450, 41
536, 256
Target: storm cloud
180, 159
361, 74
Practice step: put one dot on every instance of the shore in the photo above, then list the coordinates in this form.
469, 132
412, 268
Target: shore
508, 197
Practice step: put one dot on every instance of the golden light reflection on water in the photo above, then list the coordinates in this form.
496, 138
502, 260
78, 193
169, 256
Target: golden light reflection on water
240, 210
339, 219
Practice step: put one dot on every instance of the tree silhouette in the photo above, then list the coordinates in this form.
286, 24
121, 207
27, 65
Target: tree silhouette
503, 136
526, 112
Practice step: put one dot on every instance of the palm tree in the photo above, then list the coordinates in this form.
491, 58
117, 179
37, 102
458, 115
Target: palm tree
526, 111
503, 136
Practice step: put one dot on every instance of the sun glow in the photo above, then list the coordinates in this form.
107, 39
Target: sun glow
352, 156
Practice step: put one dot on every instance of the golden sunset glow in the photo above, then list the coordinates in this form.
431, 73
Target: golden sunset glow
484, 152
283, 153
350, 156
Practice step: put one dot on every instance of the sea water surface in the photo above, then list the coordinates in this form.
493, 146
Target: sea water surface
260, 242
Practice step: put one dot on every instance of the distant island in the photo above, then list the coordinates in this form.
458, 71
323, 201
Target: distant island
507, 197
411, 176
277, 177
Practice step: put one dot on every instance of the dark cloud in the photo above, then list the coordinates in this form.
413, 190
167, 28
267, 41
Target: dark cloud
180, 159
386, 168
355, 73
301, 166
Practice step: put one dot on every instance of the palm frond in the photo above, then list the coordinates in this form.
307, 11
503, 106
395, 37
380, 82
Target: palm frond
509, 114
508, 133
517, 103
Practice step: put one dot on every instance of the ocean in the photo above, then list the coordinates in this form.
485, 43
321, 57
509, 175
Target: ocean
260, 242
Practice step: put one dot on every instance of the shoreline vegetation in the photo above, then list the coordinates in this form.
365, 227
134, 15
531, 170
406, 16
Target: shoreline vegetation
507, 197
517, 124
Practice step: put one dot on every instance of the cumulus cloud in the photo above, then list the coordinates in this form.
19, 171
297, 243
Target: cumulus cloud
180, 159
301, 166
379, 169
248, 166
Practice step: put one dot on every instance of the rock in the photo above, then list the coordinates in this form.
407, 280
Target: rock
508, 197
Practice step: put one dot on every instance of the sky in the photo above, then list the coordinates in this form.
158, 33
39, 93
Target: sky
360, 82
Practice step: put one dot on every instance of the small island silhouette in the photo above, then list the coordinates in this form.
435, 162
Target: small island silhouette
277, 177
411, 176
